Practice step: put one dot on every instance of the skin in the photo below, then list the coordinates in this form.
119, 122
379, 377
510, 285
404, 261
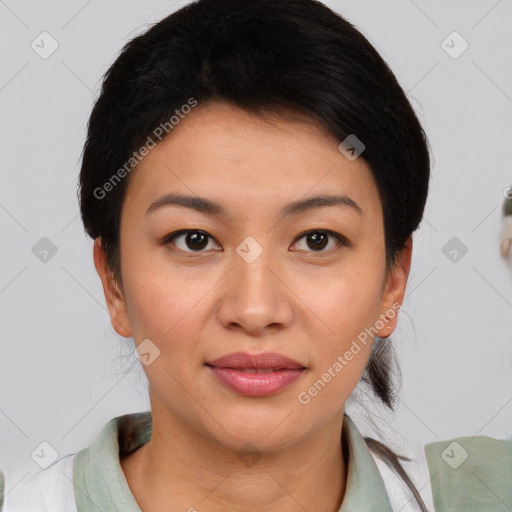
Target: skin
305, 303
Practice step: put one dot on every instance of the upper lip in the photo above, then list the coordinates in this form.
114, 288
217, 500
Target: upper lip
242, 360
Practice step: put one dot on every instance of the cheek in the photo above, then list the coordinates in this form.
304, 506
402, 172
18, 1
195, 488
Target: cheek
348, 304
349, 308
159, 307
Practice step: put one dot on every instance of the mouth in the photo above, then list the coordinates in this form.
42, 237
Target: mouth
266, 362
257, 375
253, 370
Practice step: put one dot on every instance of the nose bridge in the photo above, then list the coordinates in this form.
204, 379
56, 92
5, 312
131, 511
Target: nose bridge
252, 277
253, 266
253, 296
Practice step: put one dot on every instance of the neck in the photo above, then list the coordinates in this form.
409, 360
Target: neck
192, 472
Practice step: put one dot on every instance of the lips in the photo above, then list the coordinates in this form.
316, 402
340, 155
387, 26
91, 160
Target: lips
269, 361
256, 375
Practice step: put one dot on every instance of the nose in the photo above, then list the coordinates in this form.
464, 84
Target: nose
254, 297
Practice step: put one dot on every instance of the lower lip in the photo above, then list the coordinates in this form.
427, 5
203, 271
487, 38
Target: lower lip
256, 384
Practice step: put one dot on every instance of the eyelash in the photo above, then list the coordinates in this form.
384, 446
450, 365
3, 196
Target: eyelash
342, 241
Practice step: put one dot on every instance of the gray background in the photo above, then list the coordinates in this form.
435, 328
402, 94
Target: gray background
64, 372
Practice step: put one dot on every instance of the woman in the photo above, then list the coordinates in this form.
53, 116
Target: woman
252, 177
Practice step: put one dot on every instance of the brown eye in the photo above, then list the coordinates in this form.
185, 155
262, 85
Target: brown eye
188, 240
318, 240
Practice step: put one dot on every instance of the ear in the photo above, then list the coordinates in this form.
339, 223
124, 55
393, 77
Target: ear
394, 290
113, 297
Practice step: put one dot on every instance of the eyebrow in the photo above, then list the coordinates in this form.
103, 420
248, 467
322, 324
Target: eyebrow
203, 205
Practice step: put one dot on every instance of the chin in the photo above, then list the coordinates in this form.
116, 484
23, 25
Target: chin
268, 433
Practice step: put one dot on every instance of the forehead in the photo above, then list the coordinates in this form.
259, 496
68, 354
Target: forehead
228, 154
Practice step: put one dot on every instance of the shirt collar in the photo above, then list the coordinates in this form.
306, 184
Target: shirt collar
100, 483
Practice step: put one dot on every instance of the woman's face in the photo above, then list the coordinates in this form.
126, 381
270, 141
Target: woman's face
249, 278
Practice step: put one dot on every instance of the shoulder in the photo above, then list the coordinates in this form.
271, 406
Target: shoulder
49, 490
471, 474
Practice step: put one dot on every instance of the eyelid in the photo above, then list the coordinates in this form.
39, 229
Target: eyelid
168, 239
342, 241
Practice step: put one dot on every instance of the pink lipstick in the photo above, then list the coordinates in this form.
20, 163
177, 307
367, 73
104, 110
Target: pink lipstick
256, 374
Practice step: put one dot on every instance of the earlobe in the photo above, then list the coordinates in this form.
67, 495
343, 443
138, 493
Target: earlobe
395, 290
114, 299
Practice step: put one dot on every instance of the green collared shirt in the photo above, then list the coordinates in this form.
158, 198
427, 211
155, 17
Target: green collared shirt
471, 474
467, 475
100, 483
